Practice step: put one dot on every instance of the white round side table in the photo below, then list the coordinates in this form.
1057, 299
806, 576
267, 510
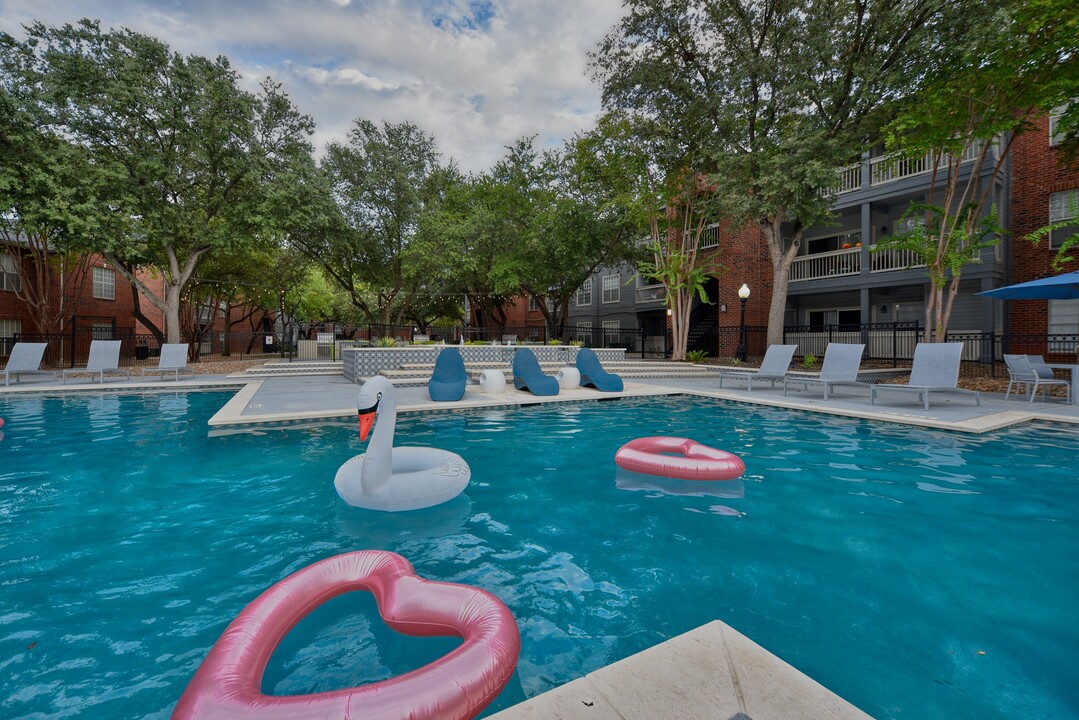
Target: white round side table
493, 381
569, 377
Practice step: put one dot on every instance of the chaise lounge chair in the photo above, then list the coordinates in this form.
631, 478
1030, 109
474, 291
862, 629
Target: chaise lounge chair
25, 359
173, 360
104, 360
447, 383
592, 373
936, 369
1032, 373
841, 364
527, 374
773, 368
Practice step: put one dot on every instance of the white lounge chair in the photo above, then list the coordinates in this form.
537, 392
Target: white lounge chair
173, 360
1031, 372
773, 368
936, 369
25, 359
104, 360
841, 364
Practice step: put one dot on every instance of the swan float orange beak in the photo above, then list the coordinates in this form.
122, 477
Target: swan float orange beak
367, 418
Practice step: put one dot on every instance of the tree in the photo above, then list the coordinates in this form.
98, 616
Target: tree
1016, 61
650, 176
196, 162
383, 181
552, 222
773, 96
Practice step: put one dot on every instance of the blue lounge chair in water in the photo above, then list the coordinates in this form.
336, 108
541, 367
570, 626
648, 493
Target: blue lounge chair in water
447, 383
527, 374
592, 373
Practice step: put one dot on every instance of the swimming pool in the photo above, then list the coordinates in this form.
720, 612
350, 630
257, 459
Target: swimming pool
918, 574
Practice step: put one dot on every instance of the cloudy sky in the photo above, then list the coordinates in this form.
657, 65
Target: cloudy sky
476, 74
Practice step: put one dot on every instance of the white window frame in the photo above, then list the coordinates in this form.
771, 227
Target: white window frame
9, 273
612, 291
584, 329
584, 294
104, 283
1063, 317
1055, 138
1062, 207
10, 327
533, 306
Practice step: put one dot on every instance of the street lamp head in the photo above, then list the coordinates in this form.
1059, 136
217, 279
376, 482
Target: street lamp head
743, 292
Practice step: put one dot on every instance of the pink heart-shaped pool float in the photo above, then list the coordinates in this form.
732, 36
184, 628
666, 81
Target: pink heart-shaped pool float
457, 685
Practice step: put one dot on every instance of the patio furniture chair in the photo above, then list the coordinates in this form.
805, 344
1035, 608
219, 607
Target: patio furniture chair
25, 359
447, 383
936, 369
527, 374
173, 360
1031, 372
104, 360
592, 372
777, 359
841, 364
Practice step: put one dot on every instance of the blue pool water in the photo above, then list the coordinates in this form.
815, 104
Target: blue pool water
918, 574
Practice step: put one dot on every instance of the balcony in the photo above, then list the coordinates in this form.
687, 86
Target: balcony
836, 263
889, 168
651, 293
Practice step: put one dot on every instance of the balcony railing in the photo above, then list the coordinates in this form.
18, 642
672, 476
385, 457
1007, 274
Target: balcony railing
836, 263
889, 168
890, 260
651, 293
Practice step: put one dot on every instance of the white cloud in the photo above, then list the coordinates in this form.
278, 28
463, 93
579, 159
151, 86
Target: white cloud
476, 75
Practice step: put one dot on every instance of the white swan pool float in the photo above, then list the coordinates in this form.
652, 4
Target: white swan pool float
401, 478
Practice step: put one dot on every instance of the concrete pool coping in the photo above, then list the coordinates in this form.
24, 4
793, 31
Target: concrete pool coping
710, 672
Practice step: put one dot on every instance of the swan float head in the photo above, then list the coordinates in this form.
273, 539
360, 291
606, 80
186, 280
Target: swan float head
367, 403
395, 478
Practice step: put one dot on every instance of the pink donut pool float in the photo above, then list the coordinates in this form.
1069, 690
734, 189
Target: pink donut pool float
457, 685
676, 457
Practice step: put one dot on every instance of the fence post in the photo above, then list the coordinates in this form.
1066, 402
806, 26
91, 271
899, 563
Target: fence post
74, 323
895, 343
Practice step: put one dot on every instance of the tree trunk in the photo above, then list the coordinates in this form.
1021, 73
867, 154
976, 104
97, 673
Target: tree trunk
781, 270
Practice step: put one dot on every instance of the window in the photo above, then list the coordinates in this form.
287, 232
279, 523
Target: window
8, 330
1055, 136
104, 284
1063, 206
101, 331
584, 332
830, 243
849, 319
9, 274
584, 293
1063, 317
612, 324
611, 288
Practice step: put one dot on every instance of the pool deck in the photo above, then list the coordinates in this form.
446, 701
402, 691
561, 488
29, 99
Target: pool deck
711, 672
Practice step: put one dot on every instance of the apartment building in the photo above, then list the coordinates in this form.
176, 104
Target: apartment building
840, 281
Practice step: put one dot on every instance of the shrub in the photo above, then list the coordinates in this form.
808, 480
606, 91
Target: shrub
809, 361
386, 342
554, 342
696, 356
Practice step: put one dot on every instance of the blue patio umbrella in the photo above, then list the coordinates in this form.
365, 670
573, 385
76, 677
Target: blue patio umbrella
1059, 287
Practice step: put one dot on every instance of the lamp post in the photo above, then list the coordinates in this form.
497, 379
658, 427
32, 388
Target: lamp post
743, 295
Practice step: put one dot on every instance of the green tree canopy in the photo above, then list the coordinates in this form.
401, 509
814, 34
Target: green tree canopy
193, 160
771, 97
